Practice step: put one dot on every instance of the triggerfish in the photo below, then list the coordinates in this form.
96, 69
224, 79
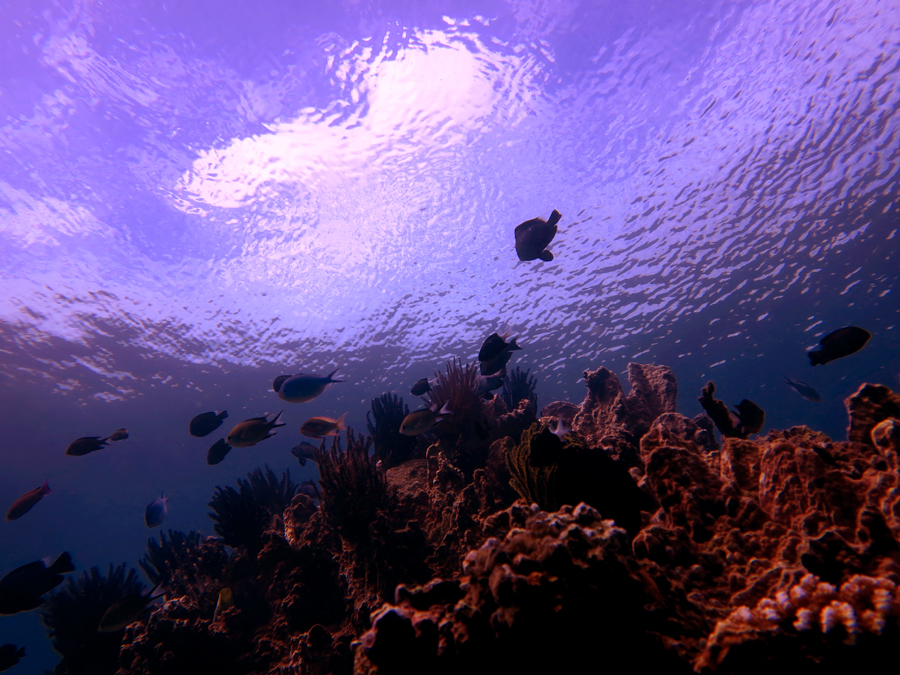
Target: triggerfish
319, 427
21, 589
804, 390
840, 343
26, 502
301, 388
252, 431
206, 423
124, 612
533, 236
420, 421
156, 511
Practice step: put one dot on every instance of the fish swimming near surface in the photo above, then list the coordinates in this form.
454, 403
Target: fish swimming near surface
494, 346
122, 613
319, 427
420, 421
804, 390
156, 511
26, 502
301, 388
840, 343
10, 655
421, 387
86, 445
752, 417
21, 589
206, 423
119, 435
217, 452
252, 431
226, 600
304, 451
534, 236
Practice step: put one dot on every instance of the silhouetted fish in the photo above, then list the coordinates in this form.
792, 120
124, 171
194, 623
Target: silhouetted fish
495, 345
804, 390
304, 451
420, 421
206, 423
156, 511
126, 611
252, 431
840, 343
85, 445
21, 589
217, 452
533, 236
319, 427
301, 388
10, 655
25, 503
485, 384
752, 417
421, 387
119, 435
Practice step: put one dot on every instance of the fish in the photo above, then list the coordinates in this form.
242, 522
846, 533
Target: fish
118, 435
319, 427
752, 417
485, 384
85, 445
495, 345
310, 489
206, 423
252, 431
21, 589
304, 451
421, 387
302, 388
804, 390
156, 511
420, 421
26, 502
533, 236
225, 601
217, 452
10, 655
122, 613
840, 343
488, 367
559, 428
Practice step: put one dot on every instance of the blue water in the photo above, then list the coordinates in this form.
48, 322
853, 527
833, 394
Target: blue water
198, 196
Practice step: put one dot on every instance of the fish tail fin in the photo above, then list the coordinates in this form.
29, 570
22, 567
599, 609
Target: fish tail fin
340, 422
45, 488
274, 422
222, 415
62, 564
445, 410
332, 374
513, 345
546, 256
554, 217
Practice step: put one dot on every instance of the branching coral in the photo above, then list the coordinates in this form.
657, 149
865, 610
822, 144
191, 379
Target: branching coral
391, 447
518, 385
71, 616
183, 562
243, 516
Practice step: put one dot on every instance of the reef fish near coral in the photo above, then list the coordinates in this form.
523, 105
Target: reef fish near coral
119, 435
421, 387
420, 421
21, 589
26, 502
752, 417
533, 236
126, 611
840, 343
217, 452
85, 445
226, 600
206, 423
304, 451
301, 388
319, 427
10, 655
485, 384
252, 431
804, 390
156, 511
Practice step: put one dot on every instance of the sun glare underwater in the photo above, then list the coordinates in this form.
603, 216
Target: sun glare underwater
201, 201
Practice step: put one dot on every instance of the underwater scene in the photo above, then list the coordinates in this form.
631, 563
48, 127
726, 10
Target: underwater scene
405, 336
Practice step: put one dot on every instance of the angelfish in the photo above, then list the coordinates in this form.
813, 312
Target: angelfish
804, 390
26, 502
156, 511
420, 421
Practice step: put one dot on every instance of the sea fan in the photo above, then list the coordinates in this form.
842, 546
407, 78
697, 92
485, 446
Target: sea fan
387, 414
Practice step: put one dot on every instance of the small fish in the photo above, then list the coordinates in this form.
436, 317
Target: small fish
206, 423
226, 600
559, 428
10, 655
26, 502
122, 613
485, 384
85, 445
310, 489
420, 421
804, 390
840, 343
21, 589
217, 452
319, 427
495, 345
421, 387
304, 451
301, 388
533, 236
119, 435
751, 416
156, 511
252, 431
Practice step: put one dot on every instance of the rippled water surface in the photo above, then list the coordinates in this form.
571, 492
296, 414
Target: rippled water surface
197, 196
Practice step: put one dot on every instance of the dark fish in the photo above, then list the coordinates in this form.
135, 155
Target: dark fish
840, 343
319, 427
304, 451
25, 503
310, 489
21, 589
533, 236
122, 613
226, 600
10, 655
252, 431
751, 416
495, 365
119, 435
420, 421
217, 452
156, 511
485, 384
495, 345
421, 387
85, 445
301, 388
206, 423
804, 390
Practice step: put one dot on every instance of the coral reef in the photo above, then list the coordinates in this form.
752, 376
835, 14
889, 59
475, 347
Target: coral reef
518, 385
384, 420
183, 562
